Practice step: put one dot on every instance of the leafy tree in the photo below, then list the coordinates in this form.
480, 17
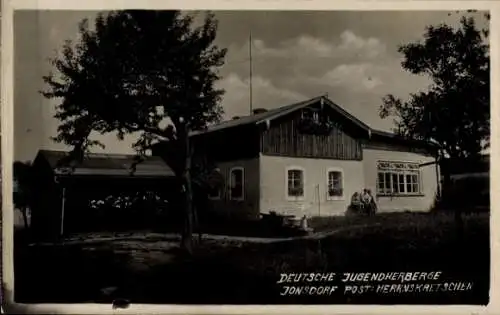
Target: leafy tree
150, 73
455, 111
23, 187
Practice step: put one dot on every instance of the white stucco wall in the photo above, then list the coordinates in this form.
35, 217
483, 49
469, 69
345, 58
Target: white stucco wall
273, 185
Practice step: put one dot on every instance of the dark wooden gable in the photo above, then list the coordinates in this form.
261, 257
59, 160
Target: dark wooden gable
315, 131
287, 131
241, 142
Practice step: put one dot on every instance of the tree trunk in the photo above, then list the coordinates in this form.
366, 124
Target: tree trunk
197, 223
187, 235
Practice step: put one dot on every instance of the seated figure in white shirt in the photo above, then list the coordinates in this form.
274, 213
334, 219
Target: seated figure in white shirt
369, 202
366, 197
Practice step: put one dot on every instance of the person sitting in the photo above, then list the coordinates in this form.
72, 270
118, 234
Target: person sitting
369, 201
366, 197
356, 203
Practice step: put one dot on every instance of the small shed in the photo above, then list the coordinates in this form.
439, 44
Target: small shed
57, 207
479, 167
469, 184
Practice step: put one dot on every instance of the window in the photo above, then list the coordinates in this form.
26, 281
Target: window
315, 116
295, 183
215, 185
412, 183
214, 194
236, 183
397, 178
310, 114
335, 184
16, 186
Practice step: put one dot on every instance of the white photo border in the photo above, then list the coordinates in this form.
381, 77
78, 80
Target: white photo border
7, 149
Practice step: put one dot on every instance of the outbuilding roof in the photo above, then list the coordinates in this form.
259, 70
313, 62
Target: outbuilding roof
100, 164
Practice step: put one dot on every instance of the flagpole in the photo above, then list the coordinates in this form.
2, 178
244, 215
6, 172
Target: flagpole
250, 72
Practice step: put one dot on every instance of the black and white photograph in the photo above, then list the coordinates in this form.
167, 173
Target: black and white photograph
236, 157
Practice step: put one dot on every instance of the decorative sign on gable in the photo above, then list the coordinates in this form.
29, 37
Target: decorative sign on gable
313, 121
402, 166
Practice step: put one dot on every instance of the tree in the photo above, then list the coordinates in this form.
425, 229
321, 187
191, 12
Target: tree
23, 187
455, 111
150, 73
205, 179
454, 114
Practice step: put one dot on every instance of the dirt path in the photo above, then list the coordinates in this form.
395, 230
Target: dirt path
158, 237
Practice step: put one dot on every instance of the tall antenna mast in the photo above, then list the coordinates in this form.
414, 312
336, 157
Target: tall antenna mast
250, 72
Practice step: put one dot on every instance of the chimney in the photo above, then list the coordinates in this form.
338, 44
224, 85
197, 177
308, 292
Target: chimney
259, 111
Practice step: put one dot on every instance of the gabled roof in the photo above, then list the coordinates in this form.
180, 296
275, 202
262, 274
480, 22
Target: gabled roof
281, 111
284, 110
95, 164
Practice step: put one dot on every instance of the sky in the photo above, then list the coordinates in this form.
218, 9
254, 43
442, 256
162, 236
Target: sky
350, 55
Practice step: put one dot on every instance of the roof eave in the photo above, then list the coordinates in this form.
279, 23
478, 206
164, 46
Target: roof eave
116, 176
297, 106
288, 111
351, 118
390, 136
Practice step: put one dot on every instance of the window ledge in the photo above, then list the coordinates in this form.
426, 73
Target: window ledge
400, 195
335, 198
291, 198
237, 199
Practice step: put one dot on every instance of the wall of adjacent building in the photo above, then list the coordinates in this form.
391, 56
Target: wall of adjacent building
248, 208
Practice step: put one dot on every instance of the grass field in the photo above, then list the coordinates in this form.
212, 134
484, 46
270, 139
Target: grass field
151, 270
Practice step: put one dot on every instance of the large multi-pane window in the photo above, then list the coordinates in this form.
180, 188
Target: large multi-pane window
398, 178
